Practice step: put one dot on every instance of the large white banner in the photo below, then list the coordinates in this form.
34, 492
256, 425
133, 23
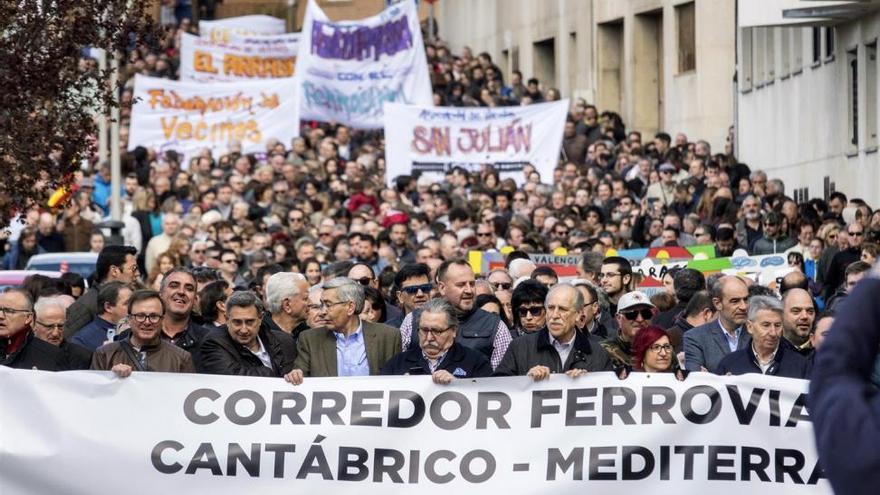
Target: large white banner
222, 30
189, 117
349, 69
243, 58
434, 139
92, 433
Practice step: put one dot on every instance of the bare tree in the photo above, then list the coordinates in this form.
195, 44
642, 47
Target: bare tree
48, 96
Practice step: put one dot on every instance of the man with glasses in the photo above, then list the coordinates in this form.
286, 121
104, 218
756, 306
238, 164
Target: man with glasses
502, 287
775, 239
363, 274
559, 347
49, 315
842, 259
297, 223
634, 312
143, 349
413, 288
486, 240
246, 347
706, 345
438, 354
19, 347
229, 268
348, 346
664, 190
115, 263
197, 255
615, 278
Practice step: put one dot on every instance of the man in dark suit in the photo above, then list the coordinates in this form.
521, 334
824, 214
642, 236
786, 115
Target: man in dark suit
245, 346
438, 354
706, 345
348, 346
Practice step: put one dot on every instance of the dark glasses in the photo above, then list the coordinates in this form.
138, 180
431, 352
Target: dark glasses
501, 286
632, 315
415, 289
535, 311
365, 281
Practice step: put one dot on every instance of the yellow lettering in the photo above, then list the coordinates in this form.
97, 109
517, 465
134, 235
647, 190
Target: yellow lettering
168, 128
203, 62
184, 131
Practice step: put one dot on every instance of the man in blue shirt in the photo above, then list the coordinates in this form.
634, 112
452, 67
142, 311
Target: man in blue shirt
112, 307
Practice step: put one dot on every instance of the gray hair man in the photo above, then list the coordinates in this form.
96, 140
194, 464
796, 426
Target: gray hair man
438, 354
559, 347
247, 347
50, 314
287, 299
346, 346
765, 355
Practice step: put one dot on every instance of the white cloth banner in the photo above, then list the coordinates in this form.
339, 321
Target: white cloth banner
189, 117
349, 69
222, 30
243, 58
435, 139
93, 433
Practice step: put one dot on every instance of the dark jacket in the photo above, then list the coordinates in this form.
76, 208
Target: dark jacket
842, 402
190, 340
535, 349
667, 318
786, 363
460, 361
81, 312
222, 355
94, 334
34, 354
76, 357
676, 332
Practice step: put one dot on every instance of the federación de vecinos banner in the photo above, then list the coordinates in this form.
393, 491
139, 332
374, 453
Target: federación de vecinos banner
92, 433
190, 116
349, 69
222, 30
435, 139
242, 58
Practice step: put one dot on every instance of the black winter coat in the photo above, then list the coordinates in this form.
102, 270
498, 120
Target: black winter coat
535, 349
787, 363
459, 360
221, 355
35, 354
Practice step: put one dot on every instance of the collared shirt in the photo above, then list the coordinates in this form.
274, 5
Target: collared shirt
434, 364
732, 342
503, 338
764, 366
563, 349
351, 353
262, 354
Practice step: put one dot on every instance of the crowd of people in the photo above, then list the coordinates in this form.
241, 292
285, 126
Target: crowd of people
300, 262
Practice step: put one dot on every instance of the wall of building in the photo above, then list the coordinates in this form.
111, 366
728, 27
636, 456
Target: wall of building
796, 120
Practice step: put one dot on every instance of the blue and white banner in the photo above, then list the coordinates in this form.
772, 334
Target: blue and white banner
88, 432
348, 70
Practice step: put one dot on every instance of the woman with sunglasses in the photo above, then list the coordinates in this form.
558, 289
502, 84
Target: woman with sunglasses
527, 302
653, 353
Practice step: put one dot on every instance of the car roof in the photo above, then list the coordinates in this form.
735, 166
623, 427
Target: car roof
76, 257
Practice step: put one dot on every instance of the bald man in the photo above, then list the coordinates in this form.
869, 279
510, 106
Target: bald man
706, 345
799, 314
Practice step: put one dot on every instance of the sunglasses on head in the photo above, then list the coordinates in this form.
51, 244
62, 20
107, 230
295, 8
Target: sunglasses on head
415, 289
633, 314
535, 311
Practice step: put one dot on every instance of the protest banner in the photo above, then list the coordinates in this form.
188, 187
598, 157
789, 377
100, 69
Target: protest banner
172, 433
222, 30
189, 117
434, 140
242, 58
348, 70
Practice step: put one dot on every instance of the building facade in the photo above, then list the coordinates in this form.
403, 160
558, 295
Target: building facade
661, 64
807, 94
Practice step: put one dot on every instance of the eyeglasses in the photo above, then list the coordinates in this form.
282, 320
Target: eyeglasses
7, 311
330, 304
600, 276
415, 289
51, 326
660, 348
856, 234
324, 234
436, 332
632, 315
535, 311
230, 260
501, 285
295, 219
484, 234
698, 234
561, 232
146, 317
199, 251
365, 281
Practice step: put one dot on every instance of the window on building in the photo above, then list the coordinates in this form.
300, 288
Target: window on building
797, 48
871, 94
785, 35
852, 60
770, 42
829, 42
746, 61
817, 45
686, 16
760, 54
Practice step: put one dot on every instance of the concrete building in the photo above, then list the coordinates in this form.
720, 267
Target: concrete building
807, 100
662, 64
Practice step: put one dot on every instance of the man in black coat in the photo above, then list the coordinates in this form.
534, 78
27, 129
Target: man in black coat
438, 354
49, 317
246, 346
768, 353
558, 348
19, 348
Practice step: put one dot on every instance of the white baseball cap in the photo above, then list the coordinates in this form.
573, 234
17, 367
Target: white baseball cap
633, 299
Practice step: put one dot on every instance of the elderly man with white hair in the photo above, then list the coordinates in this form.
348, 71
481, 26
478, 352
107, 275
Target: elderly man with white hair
50, 313
287, 301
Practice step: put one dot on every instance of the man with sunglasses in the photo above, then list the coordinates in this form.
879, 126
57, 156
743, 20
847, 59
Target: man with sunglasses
855, 234
775, 239
143, 349
634, 312
19, 346
363, 274
413, 288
